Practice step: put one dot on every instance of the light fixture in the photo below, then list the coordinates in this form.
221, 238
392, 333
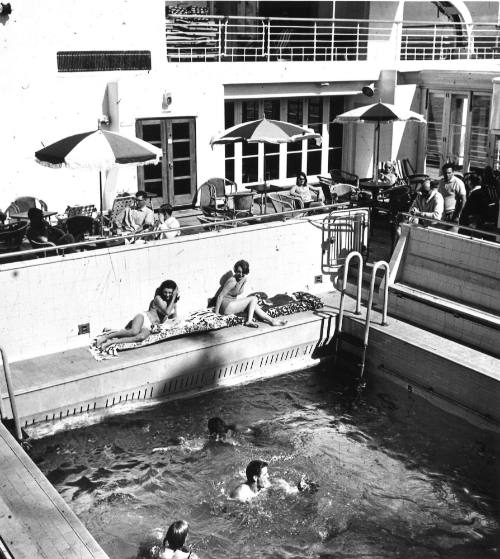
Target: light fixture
166, 100
369, 89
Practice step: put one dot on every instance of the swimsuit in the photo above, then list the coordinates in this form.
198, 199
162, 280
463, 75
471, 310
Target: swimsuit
230, 296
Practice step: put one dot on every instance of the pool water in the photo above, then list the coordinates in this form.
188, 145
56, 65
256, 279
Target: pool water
397, 477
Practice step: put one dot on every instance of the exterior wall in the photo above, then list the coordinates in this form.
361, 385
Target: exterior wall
41, 105
45, 300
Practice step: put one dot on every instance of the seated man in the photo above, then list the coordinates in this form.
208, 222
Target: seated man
135, 220
428, 204
41, 231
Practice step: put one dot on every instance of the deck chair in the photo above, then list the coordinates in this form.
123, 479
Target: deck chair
24, 203
80, 210
337, 176
282, 202
119, 204
48, 245
212, 196
11, 236
243, 205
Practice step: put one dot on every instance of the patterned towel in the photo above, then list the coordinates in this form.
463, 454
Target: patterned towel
205, 320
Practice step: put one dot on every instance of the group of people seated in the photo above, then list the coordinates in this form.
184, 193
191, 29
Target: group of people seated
163, 307
140, 218
447, 200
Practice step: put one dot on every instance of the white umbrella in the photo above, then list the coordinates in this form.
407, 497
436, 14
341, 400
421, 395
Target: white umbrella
377, 113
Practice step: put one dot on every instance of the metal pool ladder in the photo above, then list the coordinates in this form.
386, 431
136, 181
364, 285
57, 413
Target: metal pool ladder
376, 266
10, 390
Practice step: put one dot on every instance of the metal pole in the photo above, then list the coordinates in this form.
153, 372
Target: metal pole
100, 203
350, 256
10, 389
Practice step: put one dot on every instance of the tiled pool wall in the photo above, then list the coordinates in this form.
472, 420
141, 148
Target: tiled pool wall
45, 300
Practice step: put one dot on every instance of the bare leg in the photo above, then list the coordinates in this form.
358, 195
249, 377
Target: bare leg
261, 315
132, 329
250, 303
140, 337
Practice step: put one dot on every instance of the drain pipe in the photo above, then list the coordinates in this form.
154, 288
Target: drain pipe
10, 390
376, 266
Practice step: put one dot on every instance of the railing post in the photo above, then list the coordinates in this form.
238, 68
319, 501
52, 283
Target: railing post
332, 42
357, 42
219, 41
434, 43
315, 39
398, 39
10, 390
268, 40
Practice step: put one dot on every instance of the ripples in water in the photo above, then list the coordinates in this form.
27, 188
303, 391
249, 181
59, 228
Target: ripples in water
397, 478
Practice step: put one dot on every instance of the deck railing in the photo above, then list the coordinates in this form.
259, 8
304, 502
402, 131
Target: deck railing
246, 39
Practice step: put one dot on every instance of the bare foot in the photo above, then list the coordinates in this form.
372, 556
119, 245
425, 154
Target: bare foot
251, 324
100, 340
276, 322
106, 344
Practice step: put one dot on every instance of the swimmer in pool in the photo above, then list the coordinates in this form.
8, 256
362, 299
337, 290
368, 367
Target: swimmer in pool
220, 431
258, 480
163, 307
173, 544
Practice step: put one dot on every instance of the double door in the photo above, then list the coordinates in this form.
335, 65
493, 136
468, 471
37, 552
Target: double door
457, 130
173, 180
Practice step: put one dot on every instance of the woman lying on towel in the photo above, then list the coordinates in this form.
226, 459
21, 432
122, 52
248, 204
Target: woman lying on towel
163, 307
227, 301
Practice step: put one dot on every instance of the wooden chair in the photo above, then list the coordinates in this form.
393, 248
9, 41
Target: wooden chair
11, 236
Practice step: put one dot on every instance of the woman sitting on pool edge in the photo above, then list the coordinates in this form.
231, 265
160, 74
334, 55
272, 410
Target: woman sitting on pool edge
163, 307
227, 301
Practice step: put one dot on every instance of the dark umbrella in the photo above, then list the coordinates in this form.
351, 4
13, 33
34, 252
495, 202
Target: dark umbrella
377, 113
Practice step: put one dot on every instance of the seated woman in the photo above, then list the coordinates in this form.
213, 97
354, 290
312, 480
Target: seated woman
302, 191
161, 308
388, 176
227, 301
42, 232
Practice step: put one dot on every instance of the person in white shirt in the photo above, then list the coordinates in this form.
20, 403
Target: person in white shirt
167, 224
135, 220
428, 204
452, 189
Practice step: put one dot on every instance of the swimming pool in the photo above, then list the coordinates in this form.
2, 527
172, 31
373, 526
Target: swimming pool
398, 478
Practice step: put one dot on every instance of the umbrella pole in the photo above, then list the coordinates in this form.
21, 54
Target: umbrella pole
101, 217
377, 153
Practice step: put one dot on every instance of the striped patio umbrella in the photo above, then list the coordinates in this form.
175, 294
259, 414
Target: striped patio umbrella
99, 149
265, 131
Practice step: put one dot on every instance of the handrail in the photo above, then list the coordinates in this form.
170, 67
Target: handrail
340, 319
255, 218
431, 222
376, 266
10, 390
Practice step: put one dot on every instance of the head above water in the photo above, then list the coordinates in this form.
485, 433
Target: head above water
176, 535
217, 426
256, 472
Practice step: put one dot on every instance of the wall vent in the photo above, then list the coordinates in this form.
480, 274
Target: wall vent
102, 61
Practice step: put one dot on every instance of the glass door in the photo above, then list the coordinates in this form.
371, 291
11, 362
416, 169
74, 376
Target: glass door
454, 142
457, 130
173, 180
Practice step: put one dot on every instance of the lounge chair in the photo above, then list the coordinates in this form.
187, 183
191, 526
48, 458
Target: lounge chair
11, 236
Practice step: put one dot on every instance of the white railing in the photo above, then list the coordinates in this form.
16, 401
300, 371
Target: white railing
245, 39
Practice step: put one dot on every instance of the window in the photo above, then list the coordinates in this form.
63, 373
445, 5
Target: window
274, 162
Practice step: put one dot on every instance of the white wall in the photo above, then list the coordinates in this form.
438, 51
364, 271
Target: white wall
45, 300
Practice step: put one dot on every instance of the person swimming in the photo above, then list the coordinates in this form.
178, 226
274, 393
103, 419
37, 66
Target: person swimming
258, 480
173, 543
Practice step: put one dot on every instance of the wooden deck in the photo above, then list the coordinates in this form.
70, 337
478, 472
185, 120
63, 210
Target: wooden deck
35, 522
